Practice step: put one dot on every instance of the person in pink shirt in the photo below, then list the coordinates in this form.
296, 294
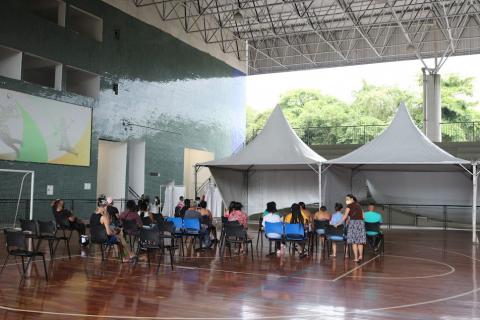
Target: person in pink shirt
236, 214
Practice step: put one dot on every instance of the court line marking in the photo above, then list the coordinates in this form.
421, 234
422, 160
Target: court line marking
452, 270
39, 260
261, 317
356, 268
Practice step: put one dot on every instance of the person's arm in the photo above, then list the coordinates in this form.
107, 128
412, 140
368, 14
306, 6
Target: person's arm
344, 217
106, 223
139, 221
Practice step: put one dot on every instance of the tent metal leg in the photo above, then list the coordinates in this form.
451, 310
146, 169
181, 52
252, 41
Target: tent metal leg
474, 204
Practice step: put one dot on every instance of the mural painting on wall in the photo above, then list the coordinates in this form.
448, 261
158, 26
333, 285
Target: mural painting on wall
35, 129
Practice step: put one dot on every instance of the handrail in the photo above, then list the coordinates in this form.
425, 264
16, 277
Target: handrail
451, 132
133, 193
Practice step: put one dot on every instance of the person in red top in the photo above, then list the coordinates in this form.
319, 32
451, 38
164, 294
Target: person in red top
236, 214
356, 235
131, 213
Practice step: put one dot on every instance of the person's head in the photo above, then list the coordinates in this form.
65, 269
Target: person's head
271, 207
231, 206
296, 214
302, 205
350, 198
323, 209
237, 206
156, 200
181, 199
131, 206
187, 203
197, 198
59, 204
142, 206
371, 206
102, 200
338, 207
110, 201
101, 204
203, 204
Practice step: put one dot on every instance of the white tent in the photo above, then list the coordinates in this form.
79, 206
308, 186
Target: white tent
276, 166
402, 166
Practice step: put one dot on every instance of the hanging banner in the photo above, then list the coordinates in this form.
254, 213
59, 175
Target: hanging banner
35, 129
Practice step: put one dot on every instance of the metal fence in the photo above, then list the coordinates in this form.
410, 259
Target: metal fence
451, 132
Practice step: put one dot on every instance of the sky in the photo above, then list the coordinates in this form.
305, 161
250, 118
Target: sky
263, 91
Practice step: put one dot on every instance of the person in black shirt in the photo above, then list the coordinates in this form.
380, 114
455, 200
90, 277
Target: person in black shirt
113, 212
65, 218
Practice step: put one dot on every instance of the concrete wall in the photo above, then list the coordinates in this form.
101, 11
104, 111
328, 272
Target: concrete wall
184, 96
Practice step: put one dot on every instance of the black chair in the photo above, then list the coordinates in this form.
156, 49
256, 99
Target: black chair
63, 224
260, 233
131, 231
222, 231
320, 231
149, 240
146, 221
29, 228
336, 235
47, 230
167, 240
375, 238
16, 243
235, 235
99, 237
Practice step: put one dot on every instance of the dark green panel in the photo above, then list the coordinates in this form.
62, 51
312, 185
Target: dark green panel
163, 84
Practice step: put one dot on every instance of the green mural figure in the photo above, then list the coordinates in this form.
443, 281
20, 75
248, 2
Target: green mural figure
33, 147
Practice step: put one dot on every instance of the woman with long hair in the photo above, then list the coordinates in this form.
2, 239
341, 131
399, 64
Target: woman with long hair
356, 235
296, 216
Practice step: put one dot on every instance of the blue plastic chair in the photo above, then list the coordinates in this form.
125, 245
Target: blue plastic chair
294, 232
274, 233
191, 228
178, 225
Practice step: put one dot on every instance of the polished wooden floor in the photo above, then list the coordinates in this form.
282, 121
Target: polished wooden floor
423, 275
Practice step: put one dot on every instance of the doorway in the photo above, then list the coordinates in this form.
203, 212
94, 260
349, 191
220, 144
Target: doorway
112, 168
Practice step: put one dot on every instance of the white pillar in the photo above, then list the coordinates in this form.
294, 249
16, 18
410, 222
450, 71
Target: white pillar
474, 204
433, 107
32, 190
319, 185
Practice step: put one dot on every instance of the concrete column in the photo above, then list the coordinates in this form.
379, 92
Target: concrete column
433, 107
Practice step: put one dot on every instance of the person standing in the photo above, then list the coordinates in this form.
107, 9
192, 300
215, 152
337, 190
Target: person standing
356, 235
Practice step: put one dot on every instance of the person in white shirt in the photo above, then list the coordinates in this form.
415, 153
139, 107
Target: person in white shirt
271, 215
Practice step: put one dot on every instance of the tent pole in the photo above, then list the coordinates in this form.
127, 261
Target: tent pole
319, 185
474, 204
195, 181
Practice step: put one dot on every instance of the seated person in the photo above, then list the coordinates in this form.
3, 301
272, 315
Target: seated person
336, 219
236, 214
372, 216
131, 213
305, 217
179, 207
193, 213
296, 216
321, 215
207, 219
101, 217
272, 216
113, 212
63, 215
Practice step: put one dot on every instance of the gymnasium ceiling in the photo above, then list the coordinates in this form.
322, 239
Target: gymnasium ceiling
286, 35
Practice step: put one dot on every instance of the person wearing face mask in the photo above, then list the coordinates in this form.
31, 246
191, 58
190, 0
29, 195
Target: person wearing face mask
356, 235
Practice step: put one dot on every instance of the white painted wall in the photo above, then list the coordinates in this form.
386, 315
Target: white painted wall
136, 166
192, 157
112, 168
10, 63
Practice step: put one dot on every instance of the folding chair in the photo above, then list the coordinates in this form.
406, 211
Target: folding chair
98, 236
149, 240
47, 230
16, 243
29, 229
167, 233
274, 233
260, 233
294, 233
131, 231
320, 231
63, 224
375, 236
235, 234
336, 235
192, 228
178, 227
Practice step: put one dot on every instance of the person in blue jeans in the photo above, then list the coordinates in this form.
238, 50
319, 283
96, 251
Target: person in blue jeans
372, 216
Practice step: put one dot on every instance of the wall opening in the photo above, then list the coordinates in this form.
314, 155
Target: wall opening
85, 23
46, 9
10, 63
40, 71
112, 169
81, 82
